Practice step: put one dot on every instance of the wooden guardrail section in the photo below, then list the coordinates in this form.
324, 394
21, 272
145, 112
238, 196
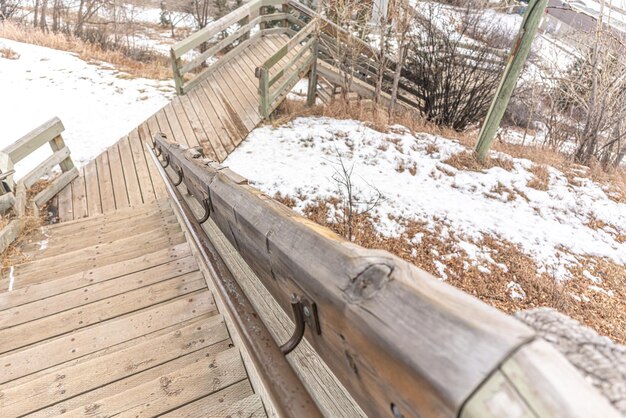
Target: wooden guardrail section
297, 67
243, 26
13, 194
402, 343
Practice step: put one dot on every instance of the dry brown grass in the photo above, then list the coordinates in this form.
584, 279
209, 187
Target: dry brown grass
604, 313
468, 161
156, 67
541, 177
8, 53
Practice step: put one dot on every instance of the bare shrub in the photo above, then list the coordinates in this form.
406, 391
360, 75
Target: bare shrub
354, 202
457, 80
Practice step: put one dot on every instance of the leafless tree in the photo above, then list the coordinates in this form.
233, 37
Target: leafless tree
354, 203
456, 78
8, 8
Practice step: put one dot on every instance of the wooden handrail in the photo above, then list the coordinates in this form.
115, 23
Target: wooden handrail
383, 321
292, 71
401, 342
48, 132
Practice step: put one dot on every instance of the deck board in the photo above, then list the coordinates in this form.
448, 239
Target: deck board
113, 316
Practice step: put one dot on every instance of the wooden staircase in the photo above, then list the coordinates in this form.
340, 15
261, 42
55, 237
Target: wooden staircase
112, 316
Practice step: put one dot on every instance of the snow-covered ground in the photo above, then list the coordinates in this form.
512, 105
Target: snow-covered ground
97, 104
300, 159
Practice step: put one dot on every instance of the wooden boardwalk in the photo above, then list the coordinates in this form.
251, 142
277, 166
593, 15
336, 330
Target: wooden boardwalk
113, 317
217, 115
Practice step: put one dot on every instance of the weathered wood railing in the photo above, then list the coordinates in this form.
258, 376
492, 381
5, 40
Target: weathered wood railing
291, 72
15, 193
220, 41
402, 343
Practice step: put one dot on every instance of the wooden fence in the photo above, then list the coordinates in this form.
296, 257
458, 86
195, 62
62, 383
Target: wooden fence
296, 68
220, 41
50, 133
402, 343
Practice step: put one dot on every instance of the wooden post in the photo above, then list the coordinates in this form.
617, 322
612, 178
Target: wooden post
6, 165
518, 56
263, 11
178, 79
58, 144
264, 95
312, 90
285, 9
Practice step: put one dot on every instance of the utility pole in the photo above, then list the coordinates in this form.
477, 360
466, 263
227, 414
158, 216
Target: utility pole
514, 65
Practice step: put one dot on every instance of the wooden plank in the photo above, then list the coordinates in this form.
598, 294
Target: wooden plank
245, 68
176, 128
84, 316
214, 28
24, 146
164, 127
183, 120
551, 386
226, 116
158, 186
218, 136
197, 358
66, 211
46, 167
94, 256
141, 166
55, 245
131, 179
55, 187
9, 234
173, 389
57, 285
52, 305
230, 84
106, 334
92, 186
194, 110
120, 191
234, 131
215, 404
106, 184
57, 144
79, 195
230, 39
108, 368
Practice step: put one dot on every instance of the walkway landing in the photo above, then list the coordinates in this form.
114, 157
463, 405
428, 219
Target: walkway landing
217, 115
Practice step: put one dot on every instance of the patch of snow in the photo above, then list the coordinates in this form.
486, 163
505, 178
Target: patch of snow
591, 277
601, 290
515, 291
301, 157
96, 103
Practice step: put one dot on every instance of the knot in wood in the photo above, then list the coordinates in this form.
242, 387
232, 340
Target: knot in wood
367, 283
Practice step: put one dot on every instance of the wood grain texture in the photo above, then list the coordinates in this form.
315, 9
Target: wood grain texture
375, 309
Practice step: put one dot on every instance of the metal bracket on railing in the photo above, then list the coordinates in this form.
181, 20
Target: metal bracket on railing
304, 312
208, 207
167, 161
180, 176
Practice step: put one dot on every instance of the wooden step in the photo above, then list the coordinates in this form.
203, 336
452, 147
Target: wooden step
37, 291
95, 292
88, 258
89, 373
